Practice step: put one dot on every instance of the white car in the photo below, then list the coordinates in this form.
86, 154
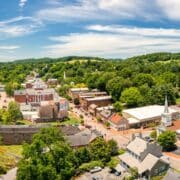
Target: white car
95, 169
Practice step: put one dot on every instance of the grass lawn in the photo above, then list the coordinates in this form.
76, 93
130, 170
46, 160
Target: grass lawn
9, 155
24, 122
71, 121
113, 162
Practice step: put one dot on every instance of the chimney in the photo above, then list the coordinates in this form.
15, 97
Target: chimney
133, 136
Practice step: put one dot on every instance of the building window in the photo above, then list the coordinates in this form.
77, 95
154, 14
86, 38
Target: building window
156, 171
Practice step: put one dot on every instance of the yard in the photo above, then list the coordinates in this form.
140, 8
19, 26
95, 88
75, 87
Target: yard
178, 101
71, 121
9, 156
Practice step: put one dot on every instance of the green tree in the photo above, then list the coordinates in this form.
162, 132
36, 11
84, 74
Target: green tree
134, 174
153, 134
48, 157
141, 79
113, 147
76, 101
99, 150
158, 92
11, 87
131, 97
167, 140
118, 106
115, 86
14, 112
83, 155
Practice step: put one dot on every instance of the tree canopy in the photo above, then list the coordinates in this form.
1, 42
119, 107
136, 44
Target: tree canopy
48, 157
167, 140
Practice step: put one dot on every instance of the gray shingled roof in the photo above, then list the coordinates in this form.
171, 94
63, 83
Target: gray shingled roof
138, 145
83, 138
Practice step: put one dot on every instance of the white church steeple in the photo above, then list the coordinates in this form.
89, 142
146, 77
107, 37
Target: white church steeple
166, 119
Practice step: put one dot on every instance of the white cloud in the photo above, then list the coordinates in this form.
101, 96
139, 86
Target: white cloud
22, 3
10, 47
18, 26
15, 20
123, 42
98, 9
82, 11
171, 8
136, 30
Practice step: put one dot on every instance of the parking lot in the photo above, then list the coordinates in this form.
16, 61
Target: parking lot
102, 175
4, 100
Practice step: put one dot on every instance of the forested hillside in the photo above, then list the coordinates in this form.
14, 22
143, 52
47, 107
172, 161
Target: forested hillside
135, 81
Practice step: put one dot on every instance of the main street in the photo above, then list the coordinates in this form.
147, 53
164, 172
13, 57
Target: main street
121, 137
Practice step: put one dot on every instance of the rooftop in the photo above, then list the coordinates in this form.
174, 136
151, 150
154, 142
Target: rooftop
79, 89
147, 164
105, 108
138, 145
83, 138
99, 98
116, 118
33, 91
147, 112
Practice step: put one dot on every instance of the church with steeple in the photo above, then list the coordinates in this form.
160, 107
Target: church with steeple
166, 118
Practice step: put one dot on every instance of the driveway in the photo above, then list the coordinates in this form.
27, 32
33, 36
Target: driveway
172, 175
102, 175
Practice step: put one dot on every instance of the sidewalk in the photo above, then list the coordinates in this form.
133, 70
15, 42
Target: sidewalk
10, 175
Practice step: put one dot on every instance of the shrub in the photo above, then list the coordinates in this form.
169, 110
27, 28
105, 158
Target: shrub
107, 124
153, 134
76, 101
99, 119
167, 140
113, 162
121, 151
2, 169
88, 166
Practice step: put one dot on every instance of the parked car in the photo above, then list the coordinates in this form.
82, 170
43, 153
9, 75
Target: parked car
114, 171
117, 173
97, 178
95, 169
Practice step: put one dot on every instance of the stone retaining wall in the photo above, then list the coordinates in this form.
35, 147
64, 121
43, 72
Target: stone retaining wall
17, 134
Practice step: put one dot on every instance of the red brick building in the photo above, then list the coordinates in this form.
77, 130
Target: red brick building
34, 96
118, 122
99, 101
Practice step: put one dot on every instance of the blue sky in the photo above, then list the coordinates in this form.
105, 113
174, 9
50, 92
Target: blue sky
104, 28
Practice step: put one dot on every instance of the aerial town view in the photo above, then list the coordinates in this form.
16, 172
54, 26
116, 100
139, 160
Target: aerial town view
89, 90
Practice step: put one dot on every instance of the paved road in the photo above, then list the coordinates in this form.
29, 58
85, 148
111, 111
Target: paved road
11, 175
172, 175
122, 137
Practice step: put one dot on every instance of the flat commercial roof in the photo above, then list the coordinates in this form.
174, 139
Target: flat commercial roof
105, 108
34, 92
99, 98
147, 112
79, 89
132, 121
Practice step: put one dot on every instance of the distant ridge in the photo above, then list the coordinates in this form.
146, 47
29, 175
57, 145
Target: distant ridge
159, 56
152, 57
